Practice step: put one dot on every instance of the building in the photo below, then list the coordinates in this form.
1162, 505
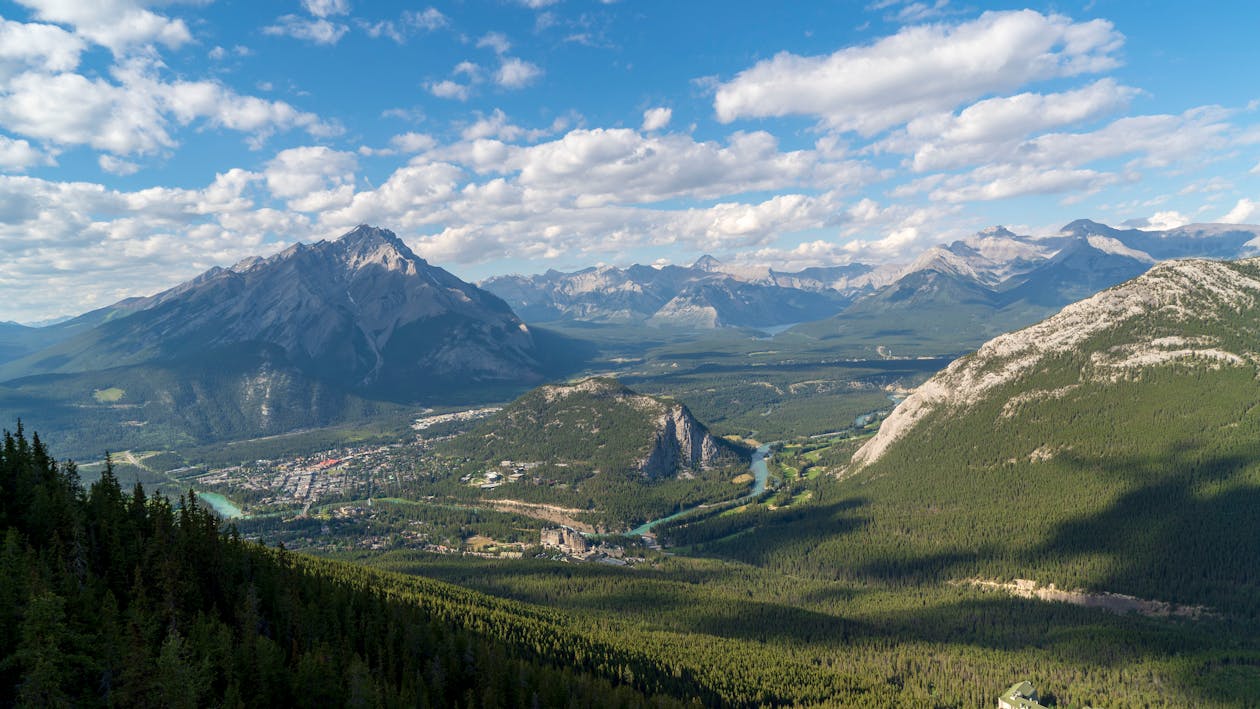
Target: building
1021, 695
565, 539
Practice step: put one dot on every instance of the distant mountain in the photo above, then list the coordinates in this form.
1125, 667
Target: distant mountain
361, 317
706, 294
598, 446
960, 294
1112, 446
363, 312
997, 280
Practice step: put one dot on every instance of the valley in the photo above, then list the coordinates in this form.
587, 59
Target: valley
780, 520
629, 355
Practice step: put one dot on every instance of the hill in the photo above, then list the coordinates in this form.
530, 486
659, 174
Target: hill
620, 457
117, 599
1111, 447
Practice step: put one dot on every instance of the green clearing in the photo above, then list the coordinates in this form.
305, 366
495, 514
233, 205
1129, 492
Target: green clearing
108, 396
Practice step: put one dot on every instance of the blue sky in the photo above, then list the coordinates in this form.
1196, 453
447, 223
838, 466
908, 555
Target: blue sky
142, 142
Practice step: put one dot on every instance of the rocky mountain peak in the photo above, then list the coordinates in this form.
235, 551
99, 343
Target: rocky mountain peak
1084, 227
368, 246
996, 230
707, 263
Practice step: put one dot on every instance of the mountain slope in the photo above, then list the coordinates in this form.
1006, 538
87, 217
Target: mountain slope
1114, 446
363, 311
598, 446
310, 336
955, 297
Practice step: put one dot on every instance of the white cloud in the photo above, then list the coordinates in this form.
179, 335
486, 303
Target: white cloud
537, 4
299, 172
516, 73
469, 69
1159, 140
136, 114
997, 126
496, 125
19, 155
104, 116
911, 12
430, 19
1241, 212
1159, 221
920, 70
656, 118
413, 142
41, 47
319, 30
119, 25
591, 167
327, 8
117, 166
449, 89
87, 246
496, 41
1004, 181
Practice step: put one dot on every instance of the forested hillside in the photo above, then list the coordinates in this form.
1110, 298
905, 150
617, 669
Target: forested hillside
110, 598
597, 446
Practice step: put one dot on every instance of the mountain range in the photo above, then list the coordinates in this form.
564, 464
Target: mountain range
706, 294
962, 293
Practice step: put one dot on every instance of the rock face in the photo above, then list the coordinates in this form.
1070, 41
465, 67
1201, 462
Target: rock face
1191, 311
681, 443
599, 423
363, 312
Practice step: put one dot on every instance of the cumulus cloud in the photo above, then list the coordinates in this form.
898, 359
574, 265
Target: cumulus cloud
88, 246
449, 89
29, 45
920, 70
326, 8
516, 73
1003, 181
496, 41
996, 126
117, 166
19, 155
413, 142
119, 25
656, 118
300, 172
136, 114
1241, 212
1159, 221
430, 19
317, 30
588, 167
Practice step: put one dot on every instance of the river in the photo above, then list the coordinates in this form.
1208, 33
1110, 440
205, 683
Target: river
761, 476
221, 504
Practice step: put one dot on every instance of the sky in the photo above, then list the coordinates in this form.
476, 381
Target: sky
145, 141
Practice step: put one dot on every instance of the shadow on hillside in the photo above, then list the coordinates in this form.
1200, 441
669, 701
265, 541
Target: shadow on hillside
1187, 530
766, 535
